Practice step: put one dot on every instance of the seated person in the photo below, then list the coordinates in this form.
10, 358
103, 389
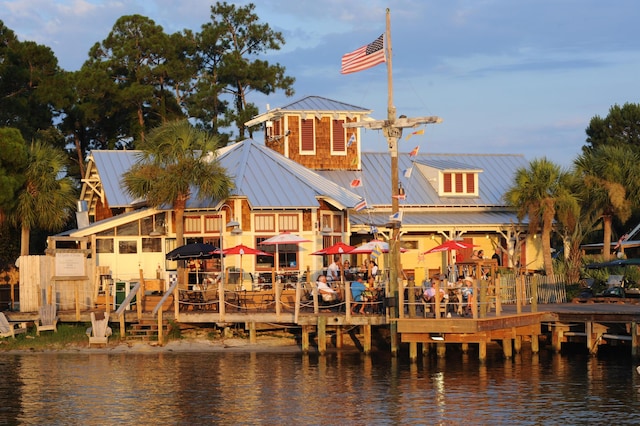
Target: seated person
325, 291
358, 288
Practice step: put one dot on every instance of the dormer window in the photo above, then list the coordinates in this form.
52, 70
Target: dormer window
451, 178
459, 183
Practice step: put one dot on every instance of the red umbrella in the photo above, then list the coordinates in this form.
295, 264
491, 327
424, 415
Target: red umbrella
337, 248
450, 245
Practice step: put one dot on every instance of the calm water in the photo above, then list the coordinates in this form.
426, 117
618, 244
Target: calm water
338, 388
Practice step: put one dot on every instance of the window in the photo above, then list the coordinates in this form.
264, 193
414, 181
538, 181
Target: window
104, 245
151, 245
212, 224
287, 255
265, 223
128, 229
288, 222
338, 144
459, 183
192, 224
127, 247
307, 136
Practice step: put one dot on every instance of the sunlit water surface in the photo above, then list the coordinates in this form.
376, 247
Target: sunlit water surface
338, 388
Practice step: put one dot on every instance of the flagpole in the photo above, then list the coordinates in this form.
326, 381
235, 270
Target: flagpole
393, 134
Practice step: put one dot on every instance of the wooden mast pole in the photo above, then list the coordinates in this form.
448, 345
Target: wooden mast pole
392, 131
392, 134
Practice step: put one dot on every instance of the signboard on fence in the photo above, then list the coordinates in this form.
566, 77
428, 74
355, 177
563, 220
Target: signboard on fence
70, 264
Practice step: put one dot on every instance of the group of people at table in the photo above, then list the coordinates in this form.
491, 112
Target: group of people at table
363, 283
454, 297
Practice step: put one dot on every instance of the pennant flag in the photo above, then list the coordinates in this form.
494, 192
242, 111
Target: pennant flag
407, 172
414, 152
396, 217
361, 205
417, 132
356, 183
400, 196
365, 57
374, 229
376, 252
351, 140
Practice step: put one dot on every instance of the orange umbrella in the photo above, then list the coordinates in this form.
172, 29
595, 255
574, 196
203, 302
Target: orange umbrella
450, 245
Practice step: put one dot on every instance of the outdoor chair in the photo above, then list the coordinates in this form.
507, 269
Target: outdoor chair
47, 319
99, 331
8, 329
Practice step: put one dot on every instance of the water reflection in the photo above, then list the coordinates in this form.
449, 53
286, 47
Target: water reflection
338, 388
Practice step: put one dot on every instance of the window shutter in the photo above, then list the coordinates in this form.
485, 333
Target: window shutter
307, 135
471, 183
459, 189
447, 182
338, 136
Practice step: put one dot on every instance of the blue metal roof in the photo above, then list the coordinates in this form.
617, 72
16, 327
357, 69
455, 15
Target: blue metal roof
318, 103
111, 165
266, 178
497, 172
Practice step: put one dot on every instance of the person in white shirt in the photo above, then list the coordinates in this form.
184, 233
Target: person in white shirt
325, 291
333, 271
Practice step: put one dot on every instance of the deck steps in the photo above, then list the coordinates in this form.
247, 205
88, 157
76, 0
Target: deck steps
146, 330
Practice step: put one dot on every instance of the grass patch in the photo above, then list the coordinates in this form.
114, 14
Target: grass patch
67, 336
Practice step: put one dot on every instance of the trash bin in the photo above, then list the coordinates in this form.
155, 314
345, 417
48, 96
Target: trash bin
122, 291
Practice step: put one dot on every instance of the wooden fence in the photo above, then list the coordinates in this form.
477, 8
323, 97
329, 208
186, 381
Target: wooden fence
551, 289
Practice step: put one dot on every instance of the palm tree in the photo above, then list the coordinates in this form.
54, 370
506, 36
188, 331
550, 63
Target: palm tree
175, 158
536, 192
611, 176
48, 196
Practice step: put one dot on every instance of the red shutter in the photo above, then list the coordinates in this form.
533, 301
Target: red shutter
459, 188
471, 183
307, 135
338, 136
276, 128
447, 182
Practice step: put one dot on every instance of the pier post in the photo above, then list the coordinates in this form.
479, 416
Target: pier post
465, 348
339, 337
413, 352
441, 349
322, 334
367, 338
635, 342
426, 348
507, 348
160, 330
253, 338
556, 338
517, 344
482, 351
305, 339
535, 344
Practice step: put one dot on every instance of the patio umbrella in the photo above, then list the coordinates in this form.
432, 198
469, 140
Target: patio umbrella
450, 245
337, 248
284, 238
192, 251
369, 247
241, 249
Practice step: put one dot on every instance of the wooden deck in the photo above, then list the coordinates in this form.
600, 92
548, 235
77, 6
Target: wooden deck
595, 323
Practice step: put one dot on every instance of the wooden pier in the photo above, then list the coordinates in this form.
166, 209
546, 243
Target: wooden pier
591, 324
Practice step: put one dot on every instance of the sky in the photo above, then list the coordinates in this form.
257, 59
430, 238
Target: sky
506, 77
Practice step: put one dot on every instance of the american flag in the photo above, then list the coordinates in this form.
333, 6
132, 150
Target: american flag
365, 57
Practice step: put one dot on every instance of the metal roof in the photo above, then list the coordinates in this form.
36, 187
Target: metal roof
266, 178
309, 104
270, 180
497, 172
438, 218
111, 165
